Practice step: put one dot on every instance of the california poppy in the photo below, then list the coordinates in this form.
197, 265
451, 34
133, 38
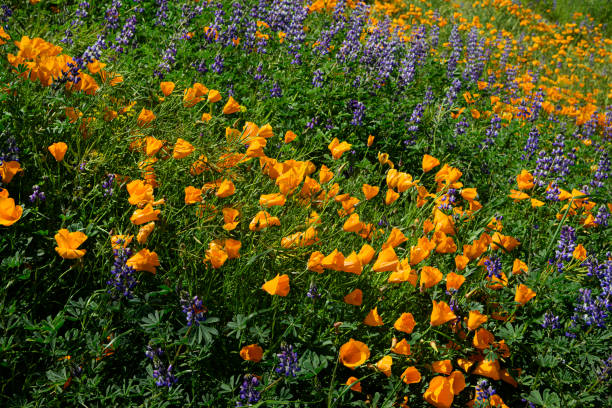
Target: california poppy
387, 261
354, 353
442, 367
144, 232
454, 281
263, 220
384, 365
277, 286
9, 212
337, 148
226, 189
488, 368
525, 180
252, 352
145, 117
120, 241
411, 376
370, 140
373, 318
483, 339
143, 260
68, 243
354, 298
269, 200
231, 106
429, 162
354, 383
523, 294
140, 192
369, 191
153, 145
167, 88
145, 215
519, 267
457, 381
405, 323
475, 319
402, 348
580, 252
366, 253
391, 196
441, 313
214, 96
314, 262
290, 136
439, 393
229, 218
430, 276
182, 148
325, 175
58, 150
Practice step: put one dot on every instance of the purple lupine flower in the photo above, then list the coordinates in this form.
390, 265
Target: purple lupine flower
553, 191
429, 97
168, 59
80, 14
589, 128
351, 45
589, 311
122, 280
449, 199
82, 166
276, 91
603, 171
536, 105
217, 65
602, 216
456, 51
6, 13
494, 267
327, 35
604, 371
358, 109
483, 392
492, 131
556, 165
111, 15
503, 60
162, 13
12, 150
161, 374
461, 127
125, 36
232, 32
317, 78
248, 392
37, 194
532, 144
295, 34
453, 91
194, 310
313, 291
551, 321
107, 185
288, 361
476, 56
565, 247
313, 122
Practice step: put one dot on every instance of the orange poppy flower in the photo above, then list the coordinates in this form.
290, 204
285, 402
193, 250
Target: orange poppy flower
429, 162
263, 220
369, 191
395, 238
439, 393
325, 174
182, 149
454, 281
402, 348
430, 276
216, 255
580, 252
442, 367
461, 262
277, 286
153, 145
252, 352
457, 381
68, 242
229, 218
525, 180
144, 232
193, 195
231, 106
167, 88
404, 273
337, 148
536, 203
370, 140
488, 368
290, 136
384, 365
145, 215
411, 376
58, 150
314, 262
120, 241
352, 264
232, 248
226, 189
441, 313
354, 298
140, 192
354, 383
405, 323
475, 319
373, 318
143, 260
354, 353
9, 212
145, 117
214, 96
523, 294
333, 261
483, 339
269, 200
387, 261
366, 253
206, 117
519, 267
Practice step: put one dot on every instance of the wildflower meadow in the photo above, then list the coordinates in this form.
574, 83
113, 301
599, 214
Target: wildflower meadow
320, 203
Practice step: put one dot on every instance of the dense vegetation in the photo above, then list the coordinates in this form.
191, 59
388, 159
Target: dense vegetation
305, 204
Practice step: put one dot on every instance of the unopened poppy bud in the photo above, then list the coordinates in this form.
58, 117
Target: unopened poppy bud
433, 345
